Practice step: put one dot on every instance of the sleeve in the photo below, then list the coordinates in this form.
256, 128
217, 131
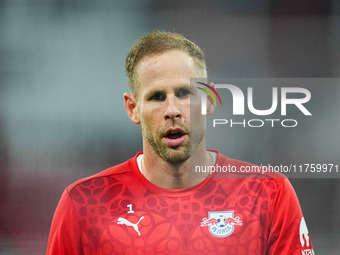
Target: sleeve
65, 233
288, 232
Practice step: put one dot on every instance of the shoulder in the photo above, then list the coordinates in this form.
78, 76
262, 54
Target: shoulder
112, 173
226, 167
258, 180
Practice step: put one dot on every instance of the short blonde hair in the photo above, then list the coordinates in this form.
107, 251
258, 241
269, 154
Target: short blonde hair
158, 42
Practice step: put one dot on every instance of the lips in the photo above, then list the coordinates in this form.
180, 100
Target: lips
174, 137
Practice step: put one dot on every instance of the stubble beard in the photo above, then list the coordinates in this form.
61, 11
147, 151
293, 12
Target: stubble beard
172, 155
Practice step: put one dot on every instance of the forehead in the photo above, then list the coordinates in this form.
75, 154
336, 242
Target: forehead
167, 67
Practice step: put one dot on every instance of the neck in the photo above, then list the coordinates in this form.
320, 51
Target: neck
175, 175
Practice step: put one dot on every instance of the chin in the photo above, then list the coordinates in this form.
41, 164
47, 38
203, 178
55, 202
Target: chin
172, 156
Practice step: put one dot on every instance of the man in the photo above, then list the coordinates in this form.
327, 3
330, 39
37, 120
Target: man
151, 204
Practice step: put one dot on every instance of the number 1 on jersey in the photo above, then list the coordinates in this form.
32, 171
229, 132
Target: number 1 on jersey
130, 209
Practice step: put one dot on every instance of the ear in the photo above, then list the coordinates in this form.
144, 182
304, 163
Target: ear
210, 103
131, 108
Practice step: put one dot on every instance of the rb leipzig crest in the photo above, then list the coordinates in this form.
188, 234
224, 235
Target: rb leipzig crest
221, 224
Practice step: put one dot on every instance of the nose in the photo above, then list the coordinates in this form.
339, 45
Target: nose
172, 110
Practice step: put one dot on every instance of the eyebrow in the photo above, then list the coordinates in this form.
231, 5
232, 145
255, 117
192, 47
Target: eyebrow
154, 91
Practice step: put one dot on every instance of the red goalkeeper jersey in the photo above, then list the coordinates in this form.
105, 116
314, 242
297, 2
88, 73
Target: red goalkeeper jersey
118, 211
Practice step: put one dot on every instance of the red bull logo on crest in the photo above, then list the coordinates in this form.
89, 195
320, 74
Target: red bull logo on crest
221, 224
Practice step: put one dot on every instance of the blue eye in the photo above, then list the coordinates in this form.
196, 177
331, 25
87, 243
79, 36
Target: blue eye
183, 93
158, 97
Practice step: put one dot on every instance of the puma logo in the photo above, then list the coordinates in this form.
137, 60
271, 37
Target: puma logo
128, 223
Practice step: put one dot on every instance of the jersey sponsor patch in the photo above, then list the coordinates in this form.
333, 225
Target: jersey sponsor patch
221, 224
304, 238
